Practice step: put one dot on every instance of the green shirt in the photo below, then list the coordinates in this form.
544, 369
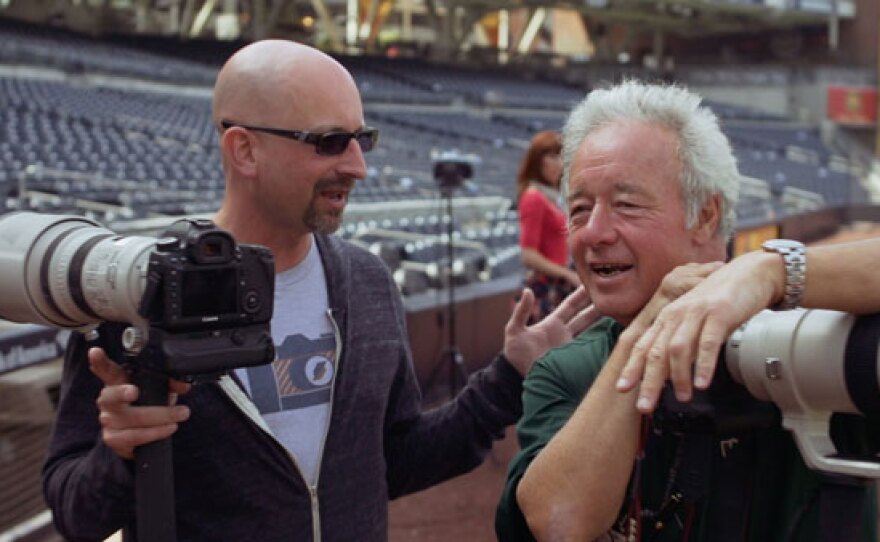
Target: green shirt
779, 487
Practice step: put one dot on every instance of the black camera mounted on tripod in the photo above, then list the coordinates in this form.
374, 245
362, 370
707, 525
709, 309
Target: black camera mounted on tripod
191, 305
452, 168
208, 303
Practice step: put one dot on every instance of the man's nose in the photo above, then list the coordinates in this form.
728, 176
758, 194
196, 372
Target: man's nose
353, 164
599, 229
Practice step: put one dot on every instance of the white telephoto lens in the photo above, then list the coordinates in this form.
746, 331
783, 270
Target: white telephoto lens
68, 271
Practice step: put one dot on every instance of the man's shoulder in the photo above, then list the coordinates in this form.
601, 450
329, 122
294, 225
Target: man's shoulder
584, 355
600, 335
354, 273
335, 247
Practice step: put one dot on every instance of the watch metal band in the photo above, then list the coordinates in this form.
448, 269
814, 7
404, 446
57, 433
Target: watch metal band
795, 259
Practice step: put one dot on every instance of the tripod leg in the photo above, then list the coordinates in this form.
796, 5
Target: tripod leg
457, 372
154, 470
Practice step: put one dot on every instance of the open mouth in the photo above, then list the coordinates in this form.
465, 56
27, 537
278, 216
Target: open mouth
336, 196
606, 270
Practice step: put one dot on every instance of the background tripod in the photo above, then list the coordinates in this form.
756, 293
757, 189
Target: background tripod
451, 357
451, 170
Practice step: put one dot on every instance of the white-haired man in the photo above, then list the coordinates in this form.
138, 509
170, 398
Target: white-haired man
651, 185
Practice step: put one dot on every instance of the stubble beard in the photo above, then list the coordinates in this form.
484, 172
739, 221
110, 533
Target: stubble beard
324, 222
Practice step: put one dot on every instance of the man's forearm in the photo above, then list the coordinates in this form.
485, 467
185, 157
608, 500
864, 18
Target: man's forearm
574, 488
428, 446
844, 277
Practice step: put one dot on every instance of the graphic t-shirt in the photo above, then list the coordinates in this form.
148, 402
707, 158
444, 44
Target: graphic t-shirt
293, 392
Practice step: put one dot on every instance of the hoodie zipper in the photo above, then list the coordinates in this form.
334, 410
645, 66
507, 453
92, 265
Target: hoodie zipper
313, 490
243, 402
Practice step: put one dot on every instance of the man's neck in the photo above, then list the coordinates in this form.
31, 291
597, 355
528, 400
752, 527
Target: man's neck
288, 247
290, 253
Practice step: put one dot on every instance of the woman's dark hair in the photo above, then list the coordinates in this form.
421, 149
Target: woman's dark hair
546, 142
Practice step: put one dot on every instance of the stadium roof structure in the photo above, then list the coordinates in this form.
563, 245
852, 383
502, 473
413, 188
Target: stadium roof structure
353, 25
695, 16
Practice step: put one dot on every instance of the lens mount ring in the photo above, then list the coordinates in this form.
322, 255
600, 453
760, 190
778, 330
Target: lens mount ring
45, 287
74, 275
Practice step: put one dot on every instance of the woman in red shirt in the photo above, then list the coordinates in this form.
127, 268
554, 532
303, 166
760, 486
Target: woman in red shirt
542, 221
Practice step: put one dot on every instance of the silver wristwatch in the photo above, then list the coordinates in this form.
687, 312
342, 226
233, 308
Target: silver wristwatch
794, 255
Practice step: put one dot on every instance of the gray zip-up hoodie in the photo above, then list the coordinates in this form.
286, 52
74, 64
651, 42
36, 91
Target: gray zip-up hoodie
234, 482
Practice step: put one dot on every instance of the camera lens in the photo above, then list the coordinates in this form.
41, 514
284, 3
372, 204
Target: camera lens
822, 360
67, 271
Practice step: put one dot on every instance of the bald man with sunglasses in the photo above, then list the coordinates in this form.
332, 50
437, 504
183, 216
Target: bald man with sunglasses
312, 446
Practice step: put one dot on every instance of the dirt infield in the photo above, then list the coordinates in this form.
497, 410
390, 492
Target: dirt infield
463, 509
460, 510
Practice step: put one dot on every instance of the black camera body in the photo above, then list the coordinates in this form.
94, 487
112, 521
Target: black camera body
726, 407
208, 302
199, 278
451, 168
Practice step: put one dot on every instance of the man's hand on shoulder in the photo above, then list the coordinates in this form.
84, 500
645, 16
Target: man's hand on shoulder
683, 340
523, 344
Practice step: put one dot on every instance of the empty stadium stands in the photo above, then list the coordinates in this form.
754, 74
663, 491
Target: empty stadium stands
72, 139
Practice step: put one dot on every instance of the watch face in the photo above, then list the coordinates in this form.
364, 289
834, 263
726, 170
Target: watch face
776, 244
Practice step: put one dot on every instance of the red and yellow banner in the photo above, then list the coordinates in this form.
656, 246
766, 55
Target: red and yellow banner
853, 106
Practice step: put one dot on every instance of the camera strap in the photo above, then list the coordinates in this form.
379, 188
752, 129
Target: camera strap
705, 461
631, 521
732, 473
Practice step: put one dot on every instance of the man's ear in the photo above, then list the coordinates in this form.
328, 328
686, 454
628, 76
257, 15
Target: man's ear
237, 145
708, 220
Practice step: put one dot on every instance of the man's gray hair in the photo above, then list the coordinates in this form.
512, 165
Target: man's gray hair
708, 164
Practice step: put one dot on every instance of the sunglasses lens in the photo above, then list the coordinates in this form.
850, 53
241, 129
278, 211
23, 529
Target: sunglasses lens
367, 139
337, 142
333, 143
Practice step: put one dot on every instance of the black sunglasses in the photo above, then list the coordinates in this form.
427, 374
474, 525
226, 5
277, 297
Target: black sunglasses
326, 143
